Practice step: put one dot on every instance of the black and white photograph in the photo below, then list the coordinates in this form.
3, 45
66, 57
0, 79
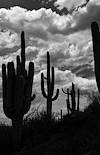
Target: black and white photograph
49, 77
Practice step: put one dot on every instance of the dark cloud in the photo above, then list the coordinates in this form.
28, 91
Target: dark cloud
32, 4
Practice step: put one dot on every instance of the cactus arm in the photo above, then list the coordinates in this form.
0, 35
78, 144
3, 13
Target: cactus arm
30, 75
68, 93
28, 89
78, 100
4, 83
68, 102
42, 86
45, 77
33, 97
23, 52
71, 92
64, 91
96, 41
73, 87
4, 86
96, 51
8, 94
56, 96
61, 113
52, 81
18, 67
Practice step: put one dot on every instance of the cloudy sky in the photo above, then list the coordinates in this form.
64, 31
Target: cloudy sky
61, 27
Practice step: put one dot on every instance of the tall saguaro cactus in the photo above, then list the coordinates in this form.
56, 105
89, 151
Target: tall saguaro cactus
96, 51
72, 105
50, 87
17, 90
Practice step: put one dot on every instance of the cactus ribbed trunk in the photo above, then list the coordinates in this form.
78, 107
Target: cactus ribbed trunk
16, 133
49, 108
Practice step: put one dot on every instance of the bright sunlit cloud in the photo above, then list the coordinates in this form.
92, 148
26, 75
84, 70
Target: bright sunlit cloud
67, 38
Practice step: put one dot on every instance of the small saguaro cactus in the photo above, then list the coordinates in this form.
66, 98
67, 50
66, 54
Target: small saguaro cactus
50, 87
17, 90
61, 115
78, 100
74, 107
73, 98
96, 51
67, 100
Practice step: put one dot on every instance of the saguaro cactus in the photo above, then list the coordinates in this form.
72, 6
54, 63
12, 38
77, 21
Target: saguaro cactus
73, 98
17, 90
96, 51
67, 100
78, 100
72, 105
61, 115
50, 87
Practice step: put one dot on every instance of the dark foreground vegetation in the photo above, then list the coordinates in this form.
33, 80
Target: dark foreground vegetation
75, 133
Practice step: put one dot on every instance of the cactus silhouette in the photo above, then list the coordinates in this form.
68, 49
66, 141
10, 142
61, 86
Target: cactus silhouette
71, 105
50, 87
17, 89
96, 51
67, 100
61, 115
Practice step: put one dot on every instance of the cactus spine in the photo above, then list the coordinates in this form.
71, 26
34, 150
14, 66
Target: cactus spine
96, 51
50, 87
17, 89
73, 107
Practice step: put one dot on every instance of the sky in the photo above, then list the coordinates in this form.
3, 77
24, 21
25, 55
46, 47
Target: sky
62, 29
